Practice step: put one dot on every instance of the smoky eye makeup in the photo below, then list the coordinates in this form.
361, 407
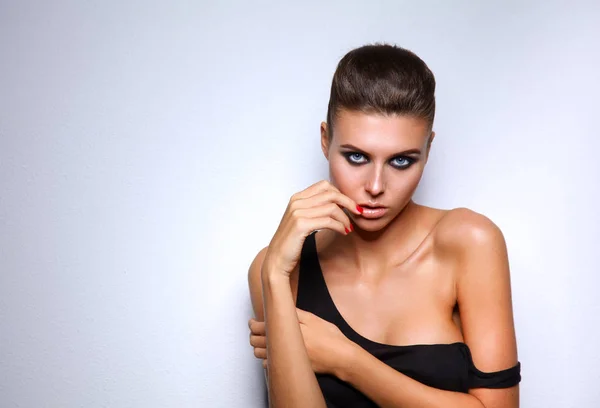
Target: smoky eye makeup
398, 162
355, 157
402, 162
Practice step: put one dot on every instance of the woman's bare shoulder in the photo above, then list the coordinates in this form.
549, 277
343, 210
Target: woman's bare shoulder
463, 229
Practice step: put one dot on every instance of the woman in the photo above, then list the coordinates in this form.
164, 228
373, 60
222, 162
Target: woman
365, 298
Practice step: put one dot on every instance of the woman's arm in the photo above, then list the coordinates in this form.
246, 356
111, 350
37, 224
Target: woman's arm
291, 381
483, 293
484, 298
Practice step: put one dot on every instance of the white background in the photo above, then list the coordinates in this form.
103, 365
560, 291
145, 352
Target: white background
148, 150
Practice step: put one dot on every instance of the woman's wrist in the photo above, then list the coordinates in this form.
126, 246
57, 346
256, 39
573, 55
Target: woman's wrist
270, 272
273, 278
346, 361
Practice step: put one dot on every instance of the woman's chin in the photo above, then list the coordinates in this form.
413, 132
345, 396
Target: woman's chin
371, 225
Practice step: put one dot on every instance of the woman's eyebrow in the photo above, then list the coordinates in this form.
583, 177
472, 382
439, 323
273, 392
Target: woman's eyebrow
405, 152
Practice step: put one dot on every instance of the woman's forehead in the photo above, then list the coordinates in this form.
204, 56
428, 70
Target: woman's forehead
376, 131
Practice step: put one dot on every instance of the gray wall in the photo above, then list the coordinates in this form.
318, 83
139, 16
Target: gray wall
148, 149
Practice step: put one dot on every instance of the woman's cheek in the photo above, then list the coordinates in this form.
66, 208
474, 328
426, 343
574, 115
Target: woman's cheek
409, 184
342, 178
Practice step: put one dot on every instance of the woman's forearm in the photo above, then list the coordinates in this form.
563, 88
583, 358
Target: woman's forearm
291, 380
389, 388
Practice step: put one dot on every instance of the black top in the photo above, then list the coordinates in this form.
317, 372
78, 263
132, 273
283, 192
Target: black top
444, 366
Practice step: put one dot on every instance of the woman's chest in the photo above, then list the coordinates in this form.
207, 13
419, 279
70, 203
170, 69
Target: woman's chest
413, 305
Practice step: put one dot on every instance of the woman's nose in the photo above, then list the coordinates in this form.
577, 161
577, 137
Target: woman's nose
375, 184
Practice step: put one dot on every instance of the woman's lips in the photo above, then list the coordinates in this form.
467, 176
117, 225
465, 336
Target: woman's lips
373, 212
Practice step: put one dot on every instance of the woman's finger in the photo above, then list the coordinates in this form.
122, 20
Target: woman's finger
328, 196
313, 224
318, 187
327, 210
257, 328
258, 341
260, 352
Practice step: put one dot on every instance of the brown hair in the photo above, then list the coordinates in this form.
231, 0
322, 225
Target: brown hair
384, 79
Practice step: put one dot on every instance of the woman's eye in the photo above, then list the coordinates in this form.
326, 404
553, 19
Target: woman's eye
398, 162
355, 158
401, 162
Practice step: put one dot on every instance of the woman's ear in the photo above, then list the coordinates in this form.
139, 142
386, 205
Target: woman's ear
325, 139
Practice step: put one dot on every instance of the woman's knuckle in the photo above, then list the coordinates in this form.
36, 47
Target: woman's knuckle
295, 213
299, 222
292, 206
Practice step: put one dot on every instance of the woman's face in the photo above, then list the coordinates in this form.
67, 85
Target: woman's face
377, 161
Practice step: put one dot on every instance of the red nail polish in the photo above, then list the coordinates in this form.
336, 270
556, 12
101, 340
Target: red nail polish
359, 208
351, 227
347, 230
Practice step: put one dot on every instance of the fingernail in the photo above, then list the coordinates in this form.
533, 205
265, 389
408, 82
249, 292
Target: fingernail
351, 227
359, 208
347, 230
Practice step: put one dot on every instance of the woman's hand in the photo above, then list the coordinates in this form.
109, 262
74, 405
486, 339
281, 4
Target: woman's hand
326, 345
258, 340
317, 207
